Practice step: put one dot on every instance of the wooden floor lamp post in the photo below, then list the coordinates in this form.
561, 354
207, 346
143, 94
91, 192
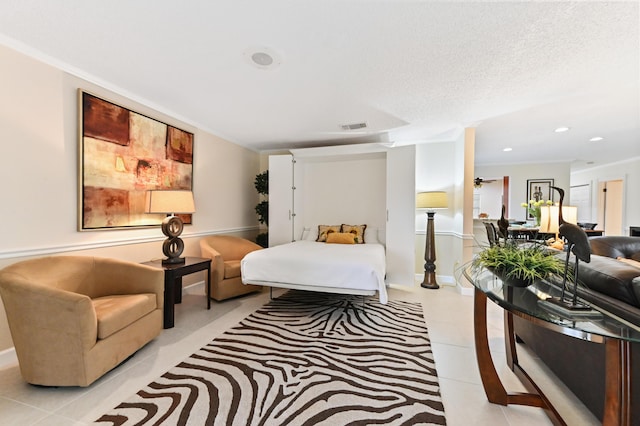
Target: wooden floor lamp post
430, 200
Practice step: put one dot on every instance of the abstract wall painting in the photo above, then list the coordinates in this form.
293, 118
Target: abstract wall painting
122, 155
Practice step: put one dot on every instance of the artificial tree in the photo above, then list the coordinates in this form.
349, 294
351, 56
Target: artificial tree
262, 208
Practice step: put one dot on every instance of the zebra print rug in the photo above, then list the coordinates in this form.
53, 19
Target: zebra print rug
303, 359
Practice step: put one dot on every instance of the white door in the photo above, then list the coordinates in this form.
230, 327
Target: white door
610, 194
280, 199
401, 205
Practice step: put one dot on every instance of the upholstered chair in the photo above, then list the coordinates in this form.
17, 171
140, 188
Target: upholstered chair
226, 253
74, 318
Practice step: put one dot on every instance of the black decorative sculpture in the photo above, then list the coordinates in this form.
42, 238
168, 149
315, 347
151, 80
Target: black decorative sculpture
578, 244
503, 225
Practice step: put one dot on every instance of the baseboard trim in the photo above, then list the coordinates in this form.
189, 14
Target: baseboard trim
443, 280
449, 281
192, 286
8, 358
465, 291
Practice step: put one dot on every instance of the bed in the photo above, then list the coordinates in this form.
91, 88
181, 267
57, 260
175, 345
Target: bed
318, 266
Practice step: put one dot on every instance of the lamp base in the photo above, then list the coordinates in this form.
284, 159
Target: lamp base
430, 256
433, 286
429, 280
173, 261
173, 246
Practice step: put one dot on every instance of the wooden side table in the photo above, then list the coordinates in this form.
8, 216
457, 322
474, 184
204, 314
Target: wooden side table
173, 283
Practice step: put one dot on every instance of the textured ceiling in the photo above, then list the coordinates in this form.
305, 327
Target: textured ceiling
414, 71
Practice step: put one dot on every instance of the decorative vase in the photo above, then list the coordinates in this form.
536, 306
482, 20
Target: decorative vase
511, 281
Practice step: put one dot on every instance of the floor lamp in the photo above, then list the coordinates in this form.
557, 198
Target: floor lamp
430, 200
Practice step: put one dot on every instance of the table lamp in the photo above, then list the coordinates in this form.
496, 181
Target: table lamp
171, 202
549, 221
430, 200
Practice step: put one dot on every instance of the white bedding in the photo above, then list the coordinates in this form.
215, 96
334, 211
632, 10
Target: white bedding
343, 268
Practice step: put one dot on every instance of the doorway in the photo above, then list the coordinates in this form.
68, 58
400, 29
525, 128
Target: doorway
489, 195
610, 196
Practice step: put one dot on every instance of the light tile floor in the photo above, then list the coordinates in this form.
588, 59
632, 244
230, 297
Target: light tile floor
447, 313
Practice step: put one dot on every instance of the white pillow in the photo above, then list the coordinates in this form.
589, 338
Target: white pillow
310, 234
371, 236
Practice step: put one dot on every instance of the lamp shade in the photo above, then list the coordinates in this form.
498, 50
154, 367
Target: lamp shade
169, 201
432, 200
549, 216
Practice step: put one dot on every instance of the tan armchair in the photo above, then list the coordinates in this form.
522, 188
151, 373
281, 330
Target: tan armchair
226, 253
74, 318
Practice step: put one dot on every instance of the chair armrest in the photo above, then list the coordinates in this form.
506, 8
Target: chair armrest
245, 247
114, 276
217, 262
47, 319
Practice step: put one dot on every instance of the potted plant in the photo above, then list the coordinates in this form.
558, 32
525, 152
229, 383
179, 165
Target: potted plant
262, 208
520, 265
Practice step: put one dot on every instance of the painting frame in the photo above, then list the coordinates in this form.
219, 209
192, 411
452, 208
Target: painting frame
539, 189
122, 154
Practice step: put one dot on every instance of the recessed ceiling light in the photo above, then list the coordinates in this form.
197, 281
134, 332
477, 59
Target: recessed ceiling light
596, 139
561, 129
262, 57
507, 149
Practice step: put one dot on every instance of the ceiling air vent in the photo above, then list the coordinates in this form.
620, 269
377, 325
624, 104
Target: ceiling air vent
354, 126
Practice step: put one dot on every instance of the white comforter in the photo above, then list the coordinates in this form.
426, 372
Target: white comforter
328, 267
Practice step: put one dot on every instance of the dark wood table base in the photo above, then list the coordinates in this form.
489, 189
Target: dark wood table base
618, 371
173, 274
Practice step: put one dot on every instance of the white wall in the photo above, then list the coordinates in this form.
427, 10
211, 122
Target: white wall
629, 171
447, 166
357, 185
38, 118
490, 199
518, 175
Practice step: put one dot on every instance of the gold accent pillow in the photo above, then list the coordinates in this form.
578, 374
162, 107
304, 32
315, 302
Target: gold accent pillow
341, 238
629, 261
324, 230
357, 230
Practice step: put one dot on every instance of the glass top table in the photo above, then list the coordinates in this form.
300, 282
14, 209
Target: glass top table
533, 233
530, 303
593, 325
